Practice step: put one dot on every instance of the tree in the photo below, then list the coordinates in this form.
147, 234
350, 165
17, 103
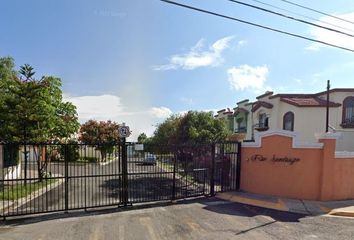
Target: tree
142, 138
201, 127
7, 71
27, 71
190, 132
33, 110
103, 135
191, 128
166, 132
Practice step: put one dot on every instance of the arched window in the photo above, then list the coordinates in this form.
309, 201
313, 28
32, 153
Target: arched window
288, 121
348, 112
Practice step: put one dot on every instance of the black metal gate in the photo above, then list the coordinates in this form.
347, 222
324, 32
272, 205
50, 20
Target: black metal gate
41, 178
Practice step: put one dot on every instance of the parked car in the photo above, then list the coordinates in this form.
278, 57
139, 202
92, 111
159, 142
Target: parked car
149, 159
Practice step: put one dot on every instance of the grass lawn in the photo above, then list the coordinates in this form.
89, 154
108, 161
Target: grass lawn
16, 191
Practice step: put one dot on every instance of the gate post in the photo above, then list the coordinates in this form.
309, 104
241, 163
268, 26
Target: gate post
66, 176
2, 177
212, 170
125, 173
174, 176
238, 167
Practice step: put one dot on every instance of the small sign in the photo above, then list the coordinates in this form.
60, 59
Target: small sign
139, 147
124, 131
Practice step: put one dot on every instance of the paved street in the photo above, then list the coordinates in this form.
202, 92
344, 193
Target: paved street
198, 219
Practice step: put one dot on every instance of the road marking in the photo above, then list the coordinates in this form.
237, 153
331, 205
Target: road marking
146, 221
121, 235
96, 234
210, 226
41, 237
193, 225
196, 227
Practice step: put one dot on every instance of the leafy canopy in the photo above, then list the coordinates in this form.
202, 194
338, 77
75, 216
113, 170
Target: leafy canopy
94, 132
192, 128
142, 138
33, 110
102, 135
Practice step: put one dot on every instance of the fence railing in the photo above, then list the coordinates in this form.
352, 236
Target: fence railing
40, 178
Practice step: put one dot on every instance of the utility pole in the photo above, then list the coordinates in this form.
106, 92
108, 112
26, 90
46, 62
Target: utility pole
327, 106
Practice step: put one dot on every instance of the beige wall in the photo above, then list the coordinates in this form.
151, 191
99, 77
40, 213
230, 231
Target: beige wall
309, 121
336, 115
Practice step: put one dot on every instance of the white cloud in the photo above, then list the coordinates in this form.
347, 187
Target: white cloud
197, 57
161, 112
185, 100
332, 37
110, 107
299, 81
101, 107
213, 110
241, 43
248, 77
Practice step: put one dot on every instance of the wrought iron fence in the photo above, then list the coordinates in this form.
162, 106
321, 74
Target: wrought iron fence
40, 178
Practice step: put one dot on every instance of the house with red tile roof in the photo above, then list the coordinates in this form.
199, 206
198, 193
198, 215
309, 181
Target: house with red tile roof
302, 113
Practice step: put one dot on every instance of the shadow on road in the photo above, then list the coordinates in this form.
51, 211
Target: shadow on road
153, 188
244, 210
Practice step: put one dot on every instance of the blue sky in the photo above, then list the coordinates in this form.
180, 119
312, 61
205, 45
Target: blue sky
138, 61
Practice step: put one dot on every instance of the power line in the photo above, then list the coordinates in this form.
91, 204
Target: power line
301, 15
317, 11
289, 17
256, 25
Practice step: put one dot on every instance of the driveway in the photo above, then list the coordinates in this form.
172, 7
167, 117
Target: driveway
197, 219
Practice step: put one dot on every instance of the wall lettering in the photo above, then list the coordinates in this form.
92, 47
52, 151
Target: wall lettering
274, 159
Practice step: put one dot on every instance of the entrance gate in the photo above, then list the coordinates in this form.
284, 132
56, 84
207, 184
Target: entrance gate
41, 178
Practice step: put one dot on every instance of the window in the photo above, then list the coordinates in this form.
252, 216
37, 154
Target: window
348, 112
263, 122
288, 121
241, 125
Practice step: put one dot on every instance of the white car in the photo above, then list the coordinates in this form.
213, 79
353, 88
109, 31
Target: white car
149, 159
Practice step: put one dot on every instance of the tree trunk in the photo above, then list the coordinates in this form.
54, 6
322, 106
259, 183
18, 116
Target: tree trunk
39, 162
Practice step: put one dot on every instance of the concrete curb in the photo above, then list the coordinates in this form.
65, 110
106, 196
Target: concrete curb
314, 208
279, 205
22, 201
107, 162
343, 212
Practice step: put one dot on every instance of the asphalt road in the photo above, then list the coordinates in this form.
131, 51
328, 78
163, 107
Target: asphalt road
198, 219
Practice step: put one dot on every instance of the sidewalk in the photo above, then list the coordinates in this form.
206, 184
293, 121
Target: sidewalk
337, 208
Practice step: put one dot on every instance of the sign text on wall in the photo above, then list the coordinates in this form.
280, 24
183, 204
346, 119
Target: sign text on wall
274, 159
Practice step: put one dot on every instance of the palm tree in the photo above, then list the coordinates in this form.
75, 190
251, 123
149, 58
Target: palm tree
27, 71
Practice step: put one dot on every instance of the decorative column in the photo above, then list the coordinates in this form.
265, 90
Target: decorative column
328, 155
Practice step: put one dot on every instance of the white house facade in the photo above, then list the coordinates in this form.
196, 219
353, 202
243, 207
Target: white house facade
302, 113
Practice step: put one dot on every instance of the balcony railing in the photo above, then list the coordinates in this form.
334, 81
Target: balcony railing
261, 127
348, 123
